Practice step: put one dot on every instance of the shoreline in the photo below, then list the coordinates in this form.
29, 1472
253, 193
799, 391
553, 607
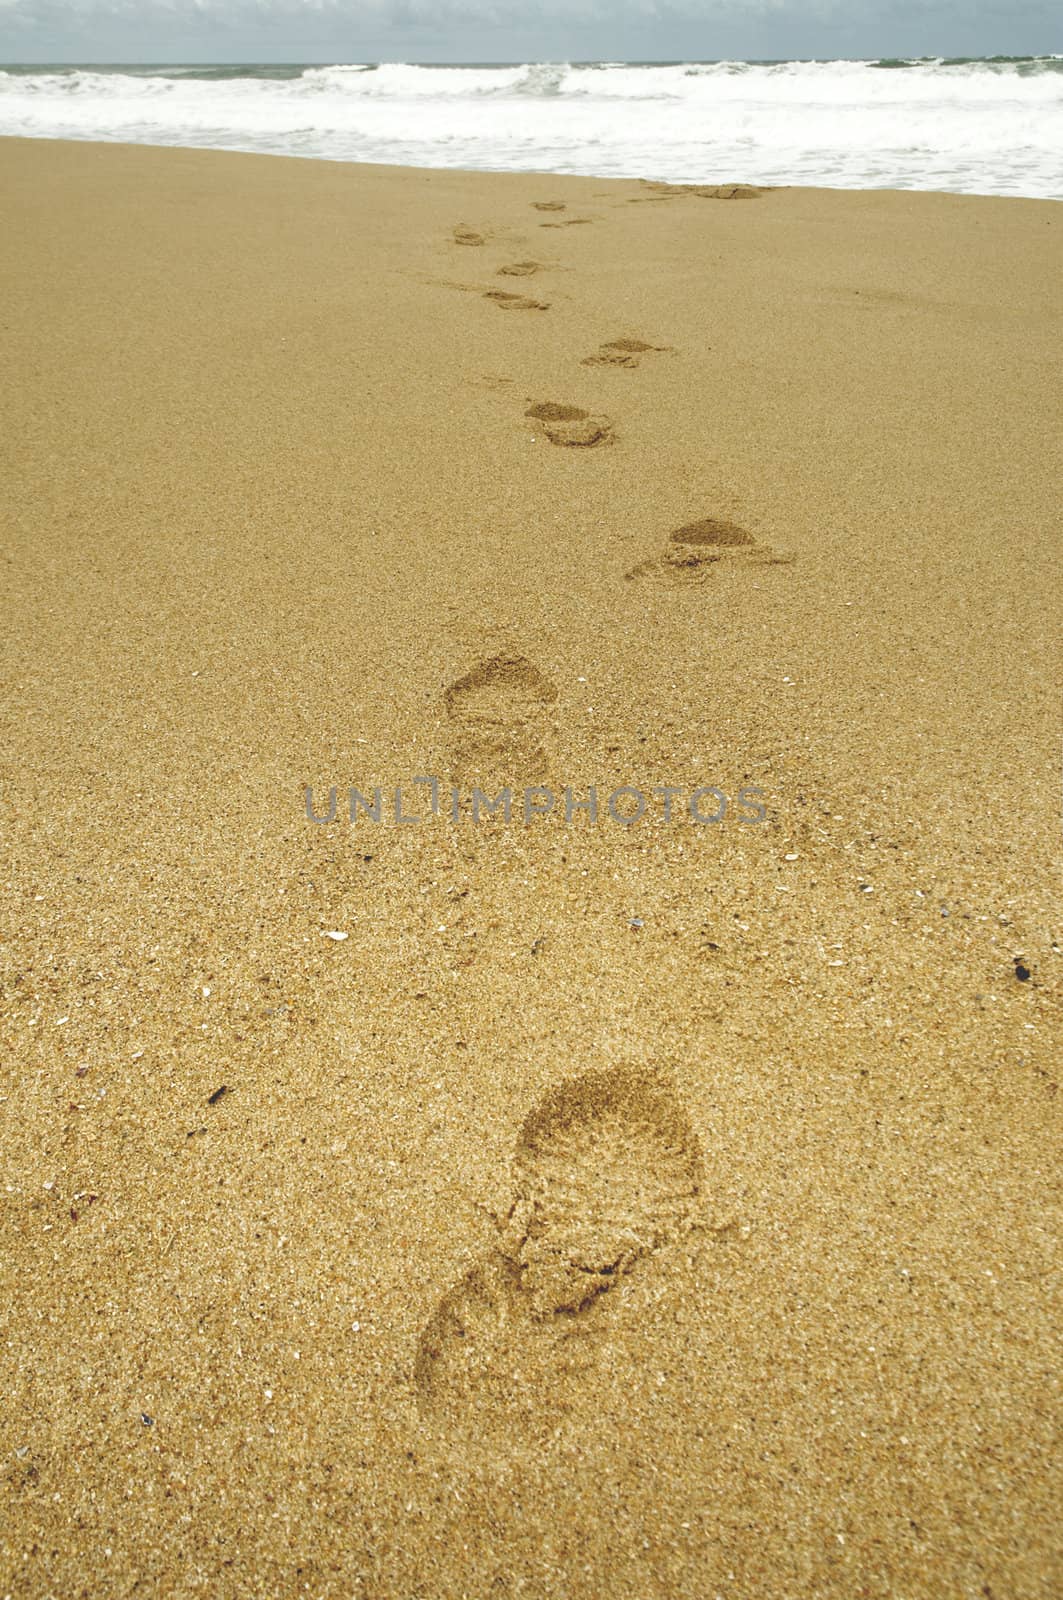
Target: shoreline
510, 172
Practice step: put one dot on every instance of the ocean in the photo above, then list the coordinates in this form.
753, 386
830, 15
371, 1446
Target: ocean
985, 126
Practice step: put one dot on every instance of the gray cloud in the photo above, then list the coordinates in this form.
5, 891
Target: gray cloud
471, 30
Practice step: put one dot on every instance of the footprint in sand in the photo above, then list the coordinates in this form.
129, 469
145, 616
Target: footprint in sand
606, 1172
726, 191
571, 425
466, 235
703, 191
569, 222
548, 205
520, 269
694, 550
515, 302
499, 718
621, 353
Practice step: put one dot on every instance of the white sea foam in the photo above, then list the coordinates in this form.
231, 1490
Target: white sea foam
980, 127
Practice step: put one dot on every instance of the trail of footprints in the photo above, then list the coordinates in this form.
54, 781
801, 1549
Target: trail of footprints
696, 548
569, 426
607, 1172
564, 222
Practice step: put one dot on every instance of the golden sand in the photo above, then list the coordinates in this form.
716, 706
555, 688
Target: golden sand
591, 1210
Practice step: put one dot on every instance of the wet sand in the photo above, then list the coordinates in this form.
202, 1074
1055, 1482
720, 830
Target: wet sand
591, 1209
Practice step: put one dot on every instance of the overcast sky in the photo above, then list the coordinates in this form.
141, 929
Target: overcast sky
519, 30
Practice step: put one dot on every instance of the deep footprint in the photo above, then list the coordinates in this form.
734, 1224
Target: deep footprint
548, 205
703, 191
499, 717
503, 688
520, 269
621, 353
695, 548
571, 426
464, 235
727, 191
515, 302
607, 1170
711, 533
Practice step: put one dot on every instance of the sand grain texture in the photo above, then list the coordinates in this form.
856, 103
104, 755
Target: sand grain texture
663, 1210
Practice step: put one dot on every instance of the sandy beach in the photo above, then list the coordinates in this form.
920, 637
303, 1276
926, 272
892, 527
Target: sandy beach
631, 1205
